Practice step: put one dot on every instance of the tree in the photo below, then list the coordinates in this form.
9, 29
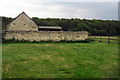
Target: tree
5, 22
83, 27
94, 27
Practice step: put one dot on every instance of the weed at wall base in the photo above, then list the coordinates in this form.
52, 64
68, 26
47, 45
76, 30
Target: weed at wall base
50, 41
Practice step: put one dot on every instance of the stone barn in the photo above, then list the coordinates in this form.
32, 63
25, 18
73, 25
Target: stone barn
22, 23
24, 28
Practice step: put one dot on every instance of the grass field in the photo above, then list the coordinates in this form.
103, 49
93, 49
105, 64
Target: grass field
60, 60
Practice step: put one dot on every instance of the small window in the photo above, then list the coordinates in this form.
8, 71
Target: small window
13, 23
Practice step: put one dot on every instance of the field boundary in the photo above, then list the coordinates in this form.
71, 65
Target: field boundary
108, 39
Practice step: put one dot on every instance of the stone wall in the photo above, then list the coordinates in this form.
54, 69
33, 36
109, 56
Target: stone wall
45, 35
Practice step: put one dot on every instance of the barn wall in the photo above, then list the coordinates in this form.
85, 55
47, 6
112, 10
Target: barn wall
45, 35
22, 23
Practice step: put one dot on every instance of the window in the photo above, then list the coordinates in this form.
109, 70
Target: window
13, 23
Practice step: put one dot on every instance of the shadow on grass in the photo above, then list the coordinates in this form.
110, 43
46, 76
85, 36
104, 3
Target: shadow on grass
62, 41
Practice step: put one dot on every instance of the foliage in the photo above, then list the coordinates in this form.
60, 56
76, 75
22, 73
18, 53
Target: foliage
83, 27
94, 27
5, 22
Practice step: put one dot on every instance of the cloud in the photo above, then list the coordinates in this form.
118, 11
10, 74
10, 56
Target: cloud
37, 8
77, 0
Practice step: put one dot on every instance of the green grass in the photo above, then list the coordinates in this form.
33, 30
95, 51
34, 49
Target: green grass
60, 60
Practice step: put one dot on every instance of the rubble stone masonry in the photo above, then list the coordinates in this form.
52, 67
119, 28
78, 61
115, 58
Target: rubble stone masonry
45, 35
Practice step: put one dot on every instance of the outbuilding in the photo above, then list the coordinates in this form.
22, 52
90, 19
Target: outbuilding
22, 23
50, 28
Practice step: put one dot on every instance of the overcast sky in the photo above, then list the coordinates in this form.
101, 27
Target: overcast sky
89, 9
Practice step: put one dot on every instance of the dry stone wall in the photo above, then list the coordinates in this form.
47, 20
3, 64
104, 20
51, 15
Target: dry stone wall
45, 35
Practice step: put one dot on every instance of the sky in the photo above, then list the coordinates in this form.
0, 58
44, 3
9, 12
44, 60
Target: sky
88, 9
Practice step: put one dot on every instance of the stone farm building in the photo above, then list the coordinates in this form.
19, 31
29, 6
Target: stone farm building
24, 28
24, 23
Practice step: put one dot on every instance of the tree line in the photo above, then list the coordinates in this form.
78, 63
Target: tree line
94, 27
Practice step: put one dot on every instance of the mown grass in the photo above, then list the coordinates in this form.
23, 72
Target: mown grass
60, 60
